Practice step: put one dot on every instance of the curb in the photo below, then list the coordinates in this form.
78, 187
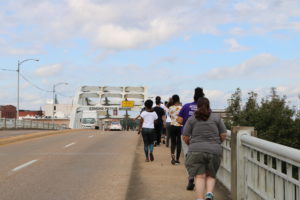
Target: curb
13, 139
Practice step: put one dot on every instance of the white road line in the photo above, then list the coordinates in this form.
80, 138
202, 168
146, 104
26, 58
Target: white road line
91, 136
69, 145
24, 165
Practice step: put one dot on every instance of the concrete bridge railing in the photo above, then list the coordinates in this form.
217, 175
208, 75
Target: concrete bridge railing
255, 169
6, 123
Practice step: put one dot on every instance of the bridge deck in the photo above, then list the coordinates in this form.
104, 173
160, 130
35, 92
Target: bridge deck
161, 180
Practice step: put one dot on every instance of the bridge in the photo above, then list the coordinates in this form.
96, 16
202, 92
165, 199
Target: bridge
253, 168
105, 101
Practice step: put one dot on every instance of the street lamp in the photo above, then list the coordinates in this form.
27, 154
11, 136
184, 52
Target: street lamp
18, 70
57, 84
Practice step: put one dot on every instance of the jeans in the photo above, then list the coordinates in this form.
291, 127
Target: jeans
148, 138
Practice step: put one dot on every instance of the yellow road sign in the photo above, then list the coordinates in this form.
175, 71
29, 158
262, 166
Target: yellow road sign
127, 104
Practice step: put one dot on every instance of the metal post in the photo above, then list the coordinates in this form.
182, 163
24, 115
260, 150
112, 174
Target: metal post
18, 90
126, 120
53, 104
62, 83
298, 106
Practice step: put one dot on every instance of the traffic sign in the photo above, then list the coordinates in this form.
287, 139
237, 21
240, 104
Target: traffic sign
127, 104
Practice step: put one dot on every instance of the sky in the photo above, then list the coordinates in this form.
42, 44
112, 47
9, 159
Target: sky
169, 46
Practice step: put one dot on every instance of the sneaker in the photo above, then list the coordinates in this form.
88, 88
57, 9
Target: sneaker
147, 160
151, 156
177, 162
190, 185
173, 162
209, 196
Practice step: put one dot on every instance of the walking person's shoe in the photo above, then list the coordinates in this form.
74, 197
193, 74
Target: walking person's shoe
147, 160
173, 162
177, 162
151, 156
190, 185
209, 196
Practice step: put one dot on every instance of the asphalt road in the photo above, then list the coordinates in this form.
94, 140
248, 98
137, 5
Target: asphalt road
86, 165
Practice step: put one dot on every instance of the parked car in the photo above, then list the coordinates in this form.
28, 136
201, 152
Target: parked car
115, 126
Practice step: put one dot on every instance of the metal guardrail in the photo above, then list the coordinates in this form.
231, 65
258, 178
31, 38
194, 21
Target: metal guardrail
253, 168
6, 123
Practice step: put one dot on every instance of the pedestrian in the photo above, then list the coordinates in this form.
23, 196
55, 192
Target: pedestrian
160, 122
204, 132
175, 129
148, 116
187, 111
168, 120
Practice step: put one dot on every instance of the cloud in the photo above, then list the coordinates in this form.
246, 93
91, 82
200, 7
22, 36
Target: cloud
120, 25
50, 70
251, 66
268, 15
234, 46
113, 36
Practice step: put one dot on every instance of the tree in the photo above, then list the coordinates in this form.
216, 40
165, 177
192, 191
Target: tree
249, 113
272, 119
234, 109
275, 121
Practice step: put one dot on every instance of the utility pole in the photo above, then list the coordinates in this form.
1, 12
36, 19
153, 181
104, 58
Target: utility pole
18, 87
53, 93
298, 106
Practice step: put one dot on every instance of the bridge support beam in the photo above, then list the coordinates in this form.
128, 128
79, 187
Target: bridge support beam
237, 162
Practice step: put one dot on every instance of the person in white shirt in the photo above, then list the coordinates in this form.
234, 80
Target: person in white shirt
148, 116
168, 120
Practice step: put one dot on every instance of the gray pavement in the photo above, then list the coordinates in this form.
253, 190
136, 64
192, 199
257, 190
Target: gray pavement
86, 165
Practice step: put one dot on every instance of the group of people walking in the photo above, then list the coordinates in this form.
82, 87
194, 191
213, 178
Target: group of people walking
192, 128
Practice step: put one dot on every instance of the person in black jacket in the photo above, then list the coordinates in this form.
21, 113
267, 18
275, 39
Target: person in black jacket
161, 121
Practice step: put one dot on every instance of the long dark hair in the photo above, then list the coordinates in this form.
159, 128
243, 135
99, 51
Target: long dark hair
203, 111
170, 103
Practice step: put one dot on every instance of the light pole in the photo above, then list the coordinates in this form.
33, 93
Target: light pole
18, 70
298, 106
57, 84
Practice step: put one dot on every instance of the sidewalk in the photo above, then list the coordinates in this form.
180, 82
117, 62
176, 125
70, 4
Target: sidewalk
160, 180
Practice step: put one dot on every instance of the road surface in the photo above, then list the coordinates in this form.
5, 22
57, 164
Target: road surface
86, 165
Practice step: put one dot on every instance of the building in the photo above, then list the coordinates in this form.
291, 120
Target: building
8, 111
221, 112
31, 114
61, 111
